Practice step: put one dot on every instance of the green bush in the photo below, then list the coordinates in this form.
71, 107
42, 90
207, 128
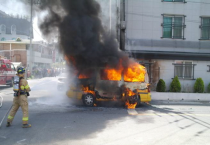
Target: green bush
175, 85
161, 86
208, 88
199, 86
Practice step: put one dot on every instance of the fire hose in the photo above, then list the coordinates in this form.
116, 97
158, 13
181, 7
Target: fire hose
1, 103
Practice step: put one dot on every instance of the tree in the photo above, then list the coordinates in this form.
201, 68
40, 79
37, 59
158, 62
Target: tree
199, 86
161, 86
175, 85
208, 88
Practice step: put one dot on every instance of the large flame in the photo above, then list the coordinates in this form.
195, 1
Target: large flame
134, 73
130, 93
111, 74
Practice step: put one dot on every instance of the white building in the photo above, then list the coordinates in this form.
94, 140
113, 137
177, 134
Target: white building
172, 37
13, 28
14, 43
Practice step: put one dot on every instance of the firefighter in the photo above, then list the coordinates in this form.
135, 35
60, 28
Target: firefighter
20, 99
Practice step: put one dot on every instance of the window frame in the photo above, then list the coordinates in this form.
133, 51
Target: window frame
201, 26
173, 25
174, 1
183, 71
13, 31
5, 30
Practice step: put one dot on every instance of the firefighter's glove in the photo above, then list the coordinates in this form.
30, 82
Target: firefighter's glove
27, 93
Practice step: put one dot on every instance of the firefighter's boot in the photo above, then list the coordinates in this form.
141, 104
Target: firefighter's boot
26, 125
8, 124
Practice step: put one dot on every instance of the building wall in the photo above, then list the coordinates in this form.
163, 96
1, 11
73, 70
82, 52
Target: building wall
19, 56
40, 54
21, 28
38, 58
6, 46
13, 36
144, 30
167, 73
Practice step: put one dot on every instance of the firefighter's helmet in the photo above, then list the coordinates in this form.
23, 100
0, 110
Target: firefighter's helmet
21, 70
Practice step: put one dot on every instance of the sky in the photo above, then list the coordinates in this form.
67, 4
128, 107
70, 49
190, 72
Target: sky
15, 7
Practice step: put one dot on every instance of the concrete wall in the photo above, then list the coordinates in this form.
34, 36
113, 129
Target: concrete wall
181, 96
167, 73
144, 30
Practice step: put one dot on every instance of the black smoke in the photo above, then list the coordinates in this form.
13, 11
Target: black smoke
82, 37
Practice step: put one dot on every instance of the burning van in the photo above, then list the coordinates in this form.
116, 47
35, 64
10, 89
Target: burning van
129, 85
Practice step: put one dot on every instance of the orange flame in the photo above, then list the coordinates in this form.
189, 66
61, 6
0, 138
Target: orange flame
134, 73
111, 74
127, 103
82, 76
130, 106
86, 90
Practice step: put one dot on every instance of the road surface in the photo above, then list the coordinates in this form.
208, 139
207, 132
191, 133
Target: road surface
56, 121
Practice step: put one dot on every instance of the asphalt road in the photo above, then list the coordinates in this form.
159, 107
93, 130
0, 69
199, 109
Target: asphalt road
56, 121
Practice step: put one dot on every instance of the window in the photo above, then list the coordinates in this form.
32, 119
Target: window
13, 29
184, 69
173, 27
173, 0
3, 29
8, 65
13, 67
205, 28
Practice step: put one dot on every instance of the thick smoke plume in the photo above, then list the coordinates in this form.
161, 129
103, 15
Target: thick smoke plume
82, 37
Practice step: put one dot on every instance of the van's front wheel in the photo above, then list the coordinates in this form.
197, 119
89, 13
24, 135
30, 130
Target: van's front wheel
88, 100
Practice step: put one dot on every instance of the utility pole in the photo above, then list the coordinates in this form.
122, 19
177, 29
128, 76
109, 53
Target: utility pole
122, 25
110, 15
30, 49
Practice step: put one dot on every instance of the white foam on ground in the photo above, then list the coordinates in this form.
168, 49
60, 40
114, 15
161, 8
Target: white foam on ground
132, 112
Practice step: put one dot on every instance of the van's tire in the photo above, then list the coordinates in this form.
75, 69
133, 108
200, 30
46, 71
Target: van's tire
88, 100
139, 101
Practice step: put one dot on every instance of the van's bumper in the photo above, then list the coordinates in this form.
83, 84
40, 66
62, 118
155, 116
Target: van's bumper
145, 97
74, 94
